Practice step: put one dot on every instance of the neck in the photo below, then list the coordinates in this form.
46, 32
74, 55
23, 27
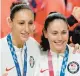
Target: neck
18, 43
57, 51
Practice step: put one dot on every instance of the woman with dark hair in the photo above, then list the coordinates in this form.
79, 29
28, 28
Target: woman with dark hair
57, 58
17, 58
75, 37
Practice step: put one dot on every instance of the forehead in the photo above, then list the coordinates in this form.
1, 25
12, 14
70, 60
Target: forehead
57, 25
24, 14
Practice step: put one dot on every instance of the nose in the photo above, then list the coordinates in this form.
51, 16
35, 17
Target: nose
59, 37
26, 28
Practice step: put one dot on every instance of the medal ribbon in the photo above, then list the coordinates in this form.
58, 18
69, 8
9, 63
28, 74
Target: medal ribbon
14, 56
64, 63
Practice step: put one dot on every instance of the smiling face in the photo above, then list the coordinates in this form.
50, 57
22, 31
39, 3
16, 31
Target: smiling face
57, 35
22, 25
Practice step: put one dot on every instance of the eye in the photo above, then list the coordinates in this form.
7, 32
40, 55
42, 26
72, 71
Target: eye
64, 32
54, 33
30, 22
21, 23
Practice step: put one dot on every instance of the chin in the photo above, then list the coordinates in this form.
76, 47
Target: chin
60, 48
24, 39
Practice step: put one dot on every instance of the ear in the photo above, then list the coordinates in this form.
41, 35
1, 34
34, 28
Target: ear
71, 39
9, 21
45, 33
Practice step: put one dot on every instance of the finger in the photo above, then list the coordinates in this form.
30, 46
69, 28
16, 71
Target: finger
79, 49
5, 74
76, 46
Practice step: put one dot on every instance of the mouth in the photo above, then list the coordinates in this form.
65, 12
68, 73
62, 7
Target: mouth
59, 43
25, 35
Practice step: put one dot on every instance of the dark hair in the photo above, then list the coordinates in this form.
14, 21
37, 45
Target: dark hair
17, 6
76, 35
51, 17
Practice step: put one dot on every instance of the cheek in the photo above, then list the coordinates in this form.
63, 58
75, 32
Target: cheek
17, 29
65, 37
31, 28
20, 27
51, 37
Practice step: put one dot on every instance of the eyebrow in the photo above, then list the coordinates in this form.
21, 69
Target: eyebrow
57, 31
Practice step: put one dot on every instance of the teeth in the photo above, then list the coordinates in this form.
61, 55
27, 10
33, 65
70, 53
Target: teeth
59, 43
25, 33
